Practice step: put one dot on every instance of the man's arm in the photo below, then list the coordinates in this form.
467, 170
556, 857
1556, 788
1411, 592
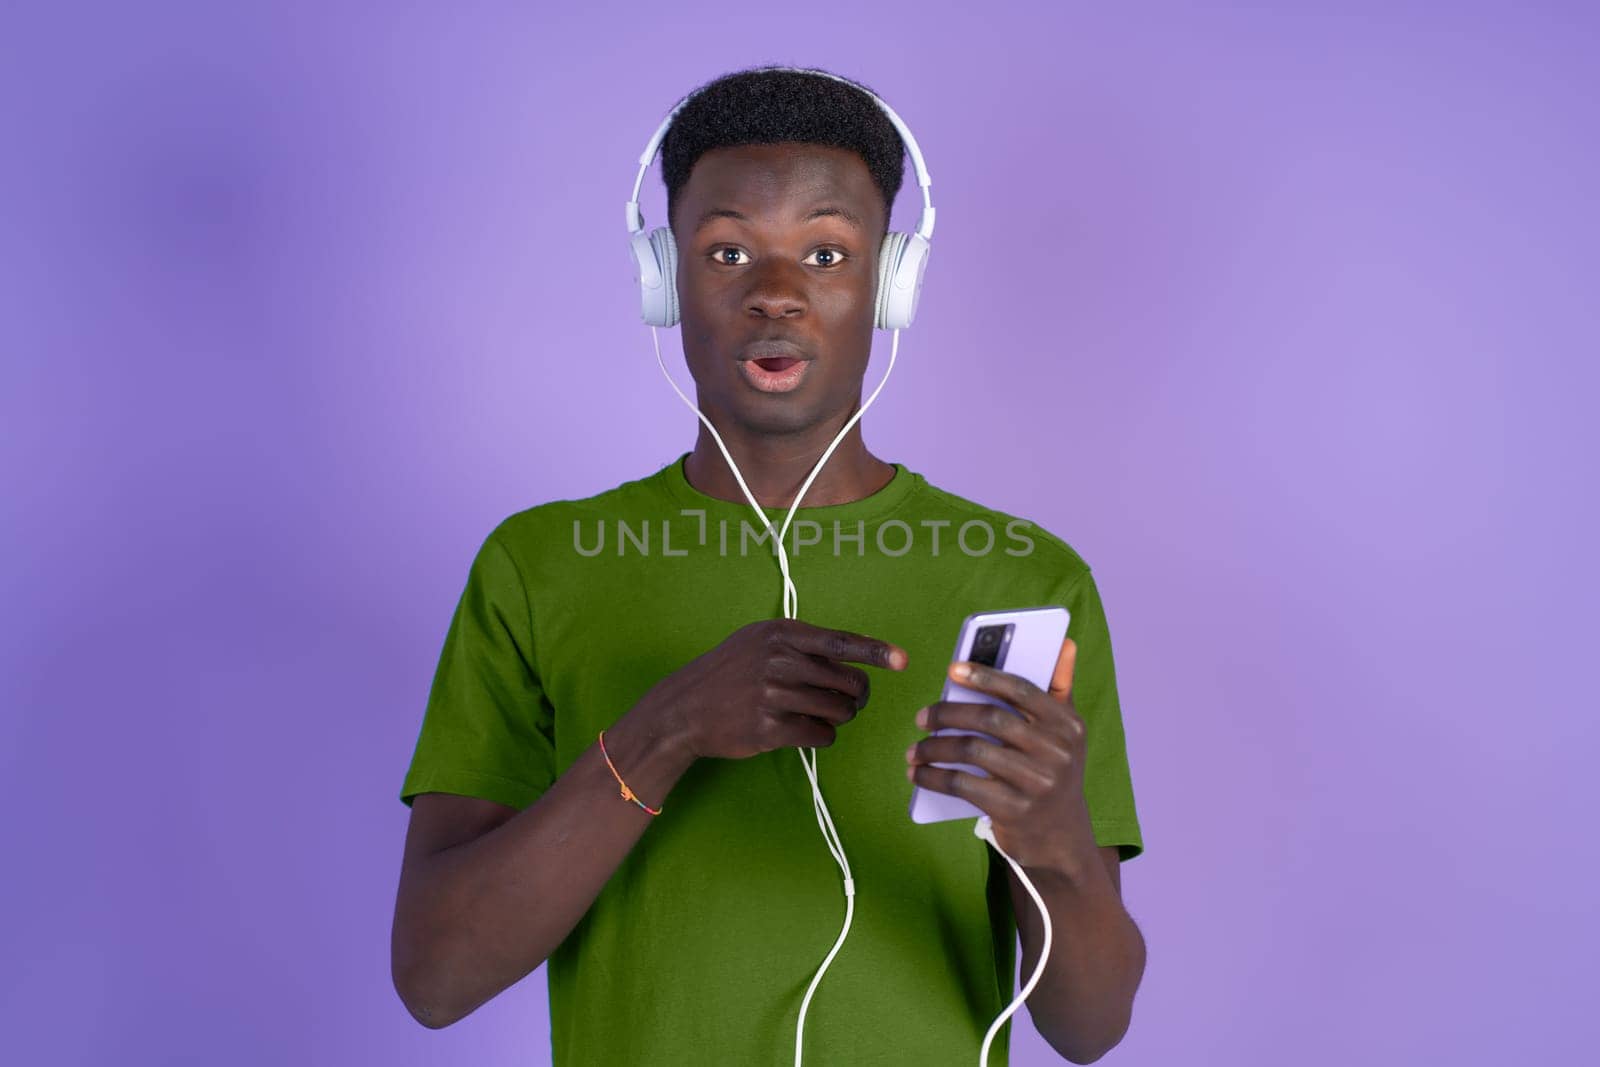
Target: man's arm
1084, 1000
487, 892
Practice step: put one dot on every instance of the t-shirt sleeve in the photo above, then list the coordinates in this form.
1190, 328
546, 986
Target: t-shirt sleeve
1107, 782
488, 730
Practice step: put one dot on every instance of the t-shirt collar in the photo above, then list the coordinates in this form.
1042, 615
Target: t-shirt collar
875, 505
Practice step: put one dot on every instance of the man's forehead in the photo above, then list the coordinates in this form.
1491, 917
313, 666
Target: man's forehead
838, 211
737, 182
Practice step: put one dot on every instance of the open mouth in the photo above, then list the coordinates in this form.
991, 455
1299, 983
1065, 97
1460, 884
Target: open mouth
774, 374
776, 363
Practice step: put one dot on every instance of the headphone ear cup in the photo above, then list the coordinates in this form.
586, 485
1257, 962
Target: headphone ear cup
666, 252
888, 256
901, 263
655, 268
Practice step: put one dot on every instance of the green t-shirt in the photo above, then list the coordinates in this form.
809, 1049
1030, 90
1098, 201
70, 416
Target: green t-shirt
700, 947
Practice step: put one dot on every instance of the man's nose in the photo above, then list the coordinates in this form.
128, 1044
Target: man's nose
777, 289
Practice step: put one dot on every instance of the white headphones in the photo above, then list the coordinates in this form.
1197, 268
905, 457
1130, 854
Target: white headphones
901, 261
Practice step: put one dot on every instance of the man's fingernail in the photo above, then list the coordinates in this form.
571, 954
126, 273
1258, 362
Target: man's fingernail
962, 671
922, 718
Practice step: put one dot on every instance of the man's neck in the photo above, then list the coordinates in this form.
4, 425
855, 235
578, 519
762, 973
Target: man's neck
774, 471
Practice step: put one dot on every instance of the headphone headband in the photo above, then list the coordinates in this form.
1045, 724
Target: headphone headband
635, 219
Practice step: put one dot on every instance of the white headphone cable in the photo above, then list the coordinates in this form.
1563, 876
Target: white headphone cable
984, 830
791, 607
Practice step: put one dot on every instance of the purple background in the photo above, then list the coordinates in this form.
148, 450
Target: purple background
1297, 308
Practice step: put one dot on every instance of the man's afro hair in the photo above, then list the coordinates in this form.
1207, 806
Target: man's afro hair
773, 106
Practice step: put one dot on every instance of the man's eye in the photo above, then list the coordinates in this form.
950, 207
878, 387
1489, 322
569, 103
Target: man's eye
835, 257
719, 253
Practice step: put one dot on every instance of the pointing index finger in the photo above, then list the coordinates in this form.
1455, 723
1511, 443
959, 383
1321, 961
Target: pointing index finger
849, 647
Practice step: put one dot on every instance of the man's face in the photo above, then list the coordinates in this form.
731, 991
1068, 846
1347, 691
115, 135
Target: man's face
774, 275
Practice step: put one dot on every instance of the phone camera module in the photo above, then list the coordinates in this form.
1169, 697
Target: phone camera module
989, 646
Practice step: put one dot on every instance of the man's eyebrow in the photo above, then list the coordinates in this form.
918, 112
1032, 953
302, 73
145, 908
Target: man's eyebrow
821, 212
848, 216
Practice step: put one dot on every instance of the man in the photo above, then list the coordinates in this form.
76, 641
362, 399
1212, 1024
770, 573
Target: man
673, 872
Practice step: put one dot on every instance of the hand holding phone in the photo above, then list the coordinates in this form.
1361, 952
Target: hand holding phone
1022, 641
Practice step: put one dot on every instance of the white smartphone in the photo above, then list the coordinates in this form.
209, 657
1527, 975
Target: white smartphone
1022, 641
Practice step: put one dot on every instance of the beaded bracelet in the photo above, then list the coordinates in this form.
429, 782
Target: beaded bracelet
627, 794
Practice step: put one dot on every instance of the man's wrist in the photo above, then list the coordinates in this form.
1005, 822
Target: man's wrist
648, 753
